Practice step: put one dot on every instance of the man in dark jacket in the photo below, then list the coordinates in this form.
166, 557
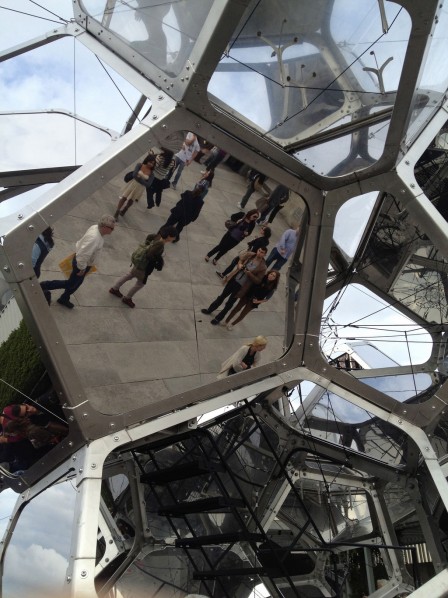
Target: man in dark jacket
186, 210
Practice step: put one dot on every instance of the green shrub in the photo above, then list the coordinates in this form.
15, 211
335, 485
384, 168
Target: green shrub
20, 366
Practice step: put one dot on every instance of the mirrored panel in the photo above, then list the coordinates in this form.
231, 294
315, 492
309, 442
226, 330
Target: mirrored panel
162, 32
295, 72
32, 421
351, 222
165, 309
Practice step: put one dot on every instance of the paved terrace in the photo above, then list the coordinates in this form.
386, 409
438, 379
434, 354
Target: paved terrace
127, 358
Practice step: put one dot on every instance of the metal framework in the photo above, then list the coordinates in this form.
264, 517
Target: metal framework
276, 491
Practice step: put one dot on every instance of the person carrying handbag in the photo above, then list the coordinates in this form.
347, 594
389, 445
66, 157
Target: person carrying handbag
234, 235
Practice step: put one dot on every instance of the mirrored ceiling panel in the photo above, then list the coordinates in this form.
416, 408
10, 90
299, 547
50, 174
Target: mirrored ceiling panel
163, 32
297, 70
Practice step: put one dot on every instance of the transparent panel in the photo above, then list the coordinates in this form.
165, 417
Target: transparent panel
294, 71
430, 93
35, 20
351, 221
374, 322
402, 387
347, 153
41, 544
163, 32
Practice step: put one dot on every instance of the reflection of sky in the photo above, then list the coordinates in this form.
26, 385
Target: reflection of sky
41, 543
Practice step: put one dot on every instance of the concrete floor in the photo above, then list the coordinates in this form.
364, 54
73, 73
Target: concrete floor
127, 358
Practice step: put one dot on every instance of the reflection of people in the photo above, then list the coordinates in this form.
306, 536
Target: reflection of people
186, 210
257, 294
276, 201
247, 357
152, 13
215, 157
145, 259
141, 177
250, 270
241, 229
41, 248
88, 250
256, 180
185, 156
205, 182
261, 241
284, 248
164, 163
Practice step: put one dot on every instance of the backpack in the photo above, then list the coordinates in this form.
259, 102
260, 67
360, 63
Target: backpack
139, 257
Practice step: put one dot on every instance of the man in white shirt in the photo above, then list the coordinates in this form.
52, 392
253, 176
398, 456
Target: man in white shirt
185, 156
88, 249
284, 248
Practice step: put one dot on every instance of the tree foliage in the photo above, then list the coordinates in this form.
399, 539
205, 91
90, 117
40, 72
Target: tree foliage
20, 366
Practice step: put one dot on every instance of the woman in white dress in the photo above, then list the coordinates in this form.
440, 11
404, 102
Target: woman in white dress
247, 357
142, 179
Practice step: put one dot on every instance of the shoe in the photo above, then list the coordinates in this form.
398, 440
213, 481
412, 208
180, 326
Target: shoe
215, 322
206, 311
173, 186
207, 259
115, 292
214, 262
221, 276
67, 303
47, 296
238, 205
229, 326
262, 222
128, 301
203, 171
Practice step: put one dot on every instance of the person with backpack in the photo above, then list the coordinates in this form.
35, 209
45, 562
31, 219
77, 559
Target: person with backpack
274, 203
144, 260
256, 180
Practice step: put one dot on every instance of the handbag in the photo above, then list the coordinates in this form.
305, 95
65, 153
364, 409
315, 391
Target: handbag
261, 204
165, 183
128, 177
229, 224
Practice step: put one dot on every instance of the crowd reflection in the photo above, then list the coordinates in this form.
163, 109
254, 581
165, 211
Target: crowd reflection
29, 430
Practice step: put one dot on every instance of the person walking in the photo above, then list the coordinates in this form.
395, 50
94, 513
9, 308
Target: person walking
185, 156
186, 210
256, 180
247, 357
257, 294
276, 202
164, 163
261, 241
141, 177
234, 235
205, 182
250, 270
283, 249
88, 250
145, 259
41, 248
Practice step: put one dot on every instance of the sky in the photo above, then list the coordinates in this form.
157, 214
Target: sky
44, 79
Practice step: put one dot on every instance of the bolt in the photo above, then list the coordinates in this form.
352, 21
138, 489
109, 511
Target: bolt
6, 268
80, 470
20, 265
31, 227
412, 186
116, 438
160, 97
84, 415
20, 216
154, 117
400, 421
112, 425
70, 443
68, 579
93, 466
83, 573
